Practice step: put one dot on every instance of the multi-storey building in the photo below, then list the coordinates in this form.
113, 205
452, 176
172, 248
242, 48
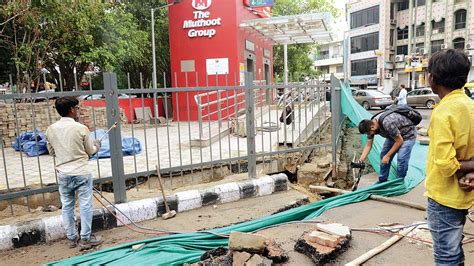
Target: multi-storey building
387, 37
329, 59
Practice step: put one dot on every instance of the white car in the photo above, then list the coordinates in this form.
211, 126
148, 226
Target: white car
100, 96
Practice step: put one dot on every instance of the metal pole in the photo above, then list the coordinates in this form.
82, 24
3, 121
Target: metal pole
115, 138
413, 75
285, 59
335, 119
75, 79
153, 47
11, 86
250, 125
44, 80
345, 52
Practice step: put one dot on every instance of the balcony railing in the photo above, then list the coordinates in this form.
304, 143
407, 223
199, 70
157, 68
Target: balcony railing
326, 56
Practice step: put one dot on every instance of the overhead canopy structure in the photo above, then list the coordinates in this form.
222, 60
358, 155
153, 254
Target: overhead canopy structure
298, 29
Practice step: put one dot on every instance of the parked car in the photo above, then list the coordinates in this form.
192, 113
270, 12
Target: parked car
100, 96
422, 98
41, 99
372, 98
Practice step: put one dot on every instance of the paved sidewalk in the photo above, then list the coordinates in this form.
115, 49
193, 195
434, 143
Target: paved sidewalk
173, 144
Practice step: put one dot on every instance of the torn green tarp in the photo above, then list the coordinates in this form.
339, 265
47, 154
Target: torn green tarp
187, 248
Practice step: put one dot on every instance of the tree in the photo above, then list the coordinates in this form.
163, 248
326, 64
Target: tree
22, 40
141, 10
76, 30
299, 63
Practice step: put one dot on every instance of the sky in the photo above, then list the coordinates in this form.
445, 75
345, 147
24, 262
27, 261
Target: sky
340, 22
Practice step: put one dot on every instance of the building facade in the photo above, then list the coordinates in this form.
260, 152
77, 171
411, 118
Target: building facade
387, 38
209, 48
328, 59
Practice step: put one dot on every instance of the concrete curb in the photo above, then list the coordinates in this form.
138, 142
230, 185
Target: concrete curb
51, 228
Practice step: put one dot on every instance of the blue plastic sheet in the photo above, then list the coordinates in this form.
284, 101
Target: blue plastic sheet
32, 143
130, 146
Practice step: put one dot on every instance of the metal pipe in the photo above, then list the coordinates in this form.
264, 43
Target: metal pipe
153, 46
179, 131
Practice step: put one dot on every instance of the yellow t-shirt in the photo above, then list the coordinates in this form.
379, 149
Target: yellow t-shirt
451, 135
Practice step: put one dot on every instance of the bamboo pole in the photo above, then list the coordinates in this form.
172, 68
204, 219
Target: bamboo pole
374, 197
373, 252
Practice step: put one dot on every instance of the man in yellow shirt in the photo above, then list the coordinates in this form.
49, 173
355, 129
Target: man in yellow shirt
450, 156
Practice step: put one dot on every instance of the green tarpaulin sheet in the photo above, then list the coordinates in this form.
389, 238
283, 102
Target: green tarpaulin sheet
187, 248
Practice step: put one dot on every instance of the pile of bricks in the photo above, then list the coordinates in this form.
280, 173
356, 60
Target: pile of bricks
40, 115
325, 243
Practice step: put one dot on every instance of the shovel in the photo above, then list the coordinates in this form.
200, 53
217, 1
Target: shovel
169, 213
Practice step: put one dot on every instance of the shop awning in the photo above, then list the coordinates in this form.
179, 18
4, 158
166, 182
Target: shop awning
298, 29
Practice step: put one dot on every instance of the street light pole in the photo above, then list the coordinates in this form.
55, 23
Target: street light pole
153, 46
153, 37
413, 76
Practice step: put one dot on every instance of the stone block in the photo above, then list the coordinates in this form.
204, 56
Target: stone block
54, 228
209, 197
281, 182
188, 200
228, 192
323, 239
320, 254
334, 229
247, 189
258, 260
247, 242
265, 185
240, 258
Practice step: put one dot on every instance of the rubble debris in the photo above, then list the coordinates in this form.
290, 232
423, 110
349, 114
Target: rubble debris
274, 252
138, 246
295, 204
310, 173
323, 247
270, 253
217, 252
247, 242
330, 183
215, 261
257, 260
240, 258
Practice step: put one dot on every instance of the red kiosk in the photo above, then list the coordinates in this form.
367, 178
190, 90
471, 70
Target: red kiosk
209, 48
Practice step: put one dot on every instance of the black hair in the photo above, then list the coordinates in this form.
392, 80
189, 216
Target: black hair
364, 126
64, 104
449, 68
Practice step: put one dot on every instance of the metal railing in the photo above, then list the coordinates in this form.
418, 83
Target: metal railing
257, 138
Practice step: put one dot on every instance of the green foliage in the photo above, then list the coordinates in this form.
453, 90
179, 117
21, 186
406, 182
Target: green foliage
79, 34
299, 63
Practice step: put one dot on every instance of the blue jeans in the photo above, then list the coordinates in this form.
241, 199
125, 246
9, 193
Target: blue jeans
446, 226
68, 186
403, 158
